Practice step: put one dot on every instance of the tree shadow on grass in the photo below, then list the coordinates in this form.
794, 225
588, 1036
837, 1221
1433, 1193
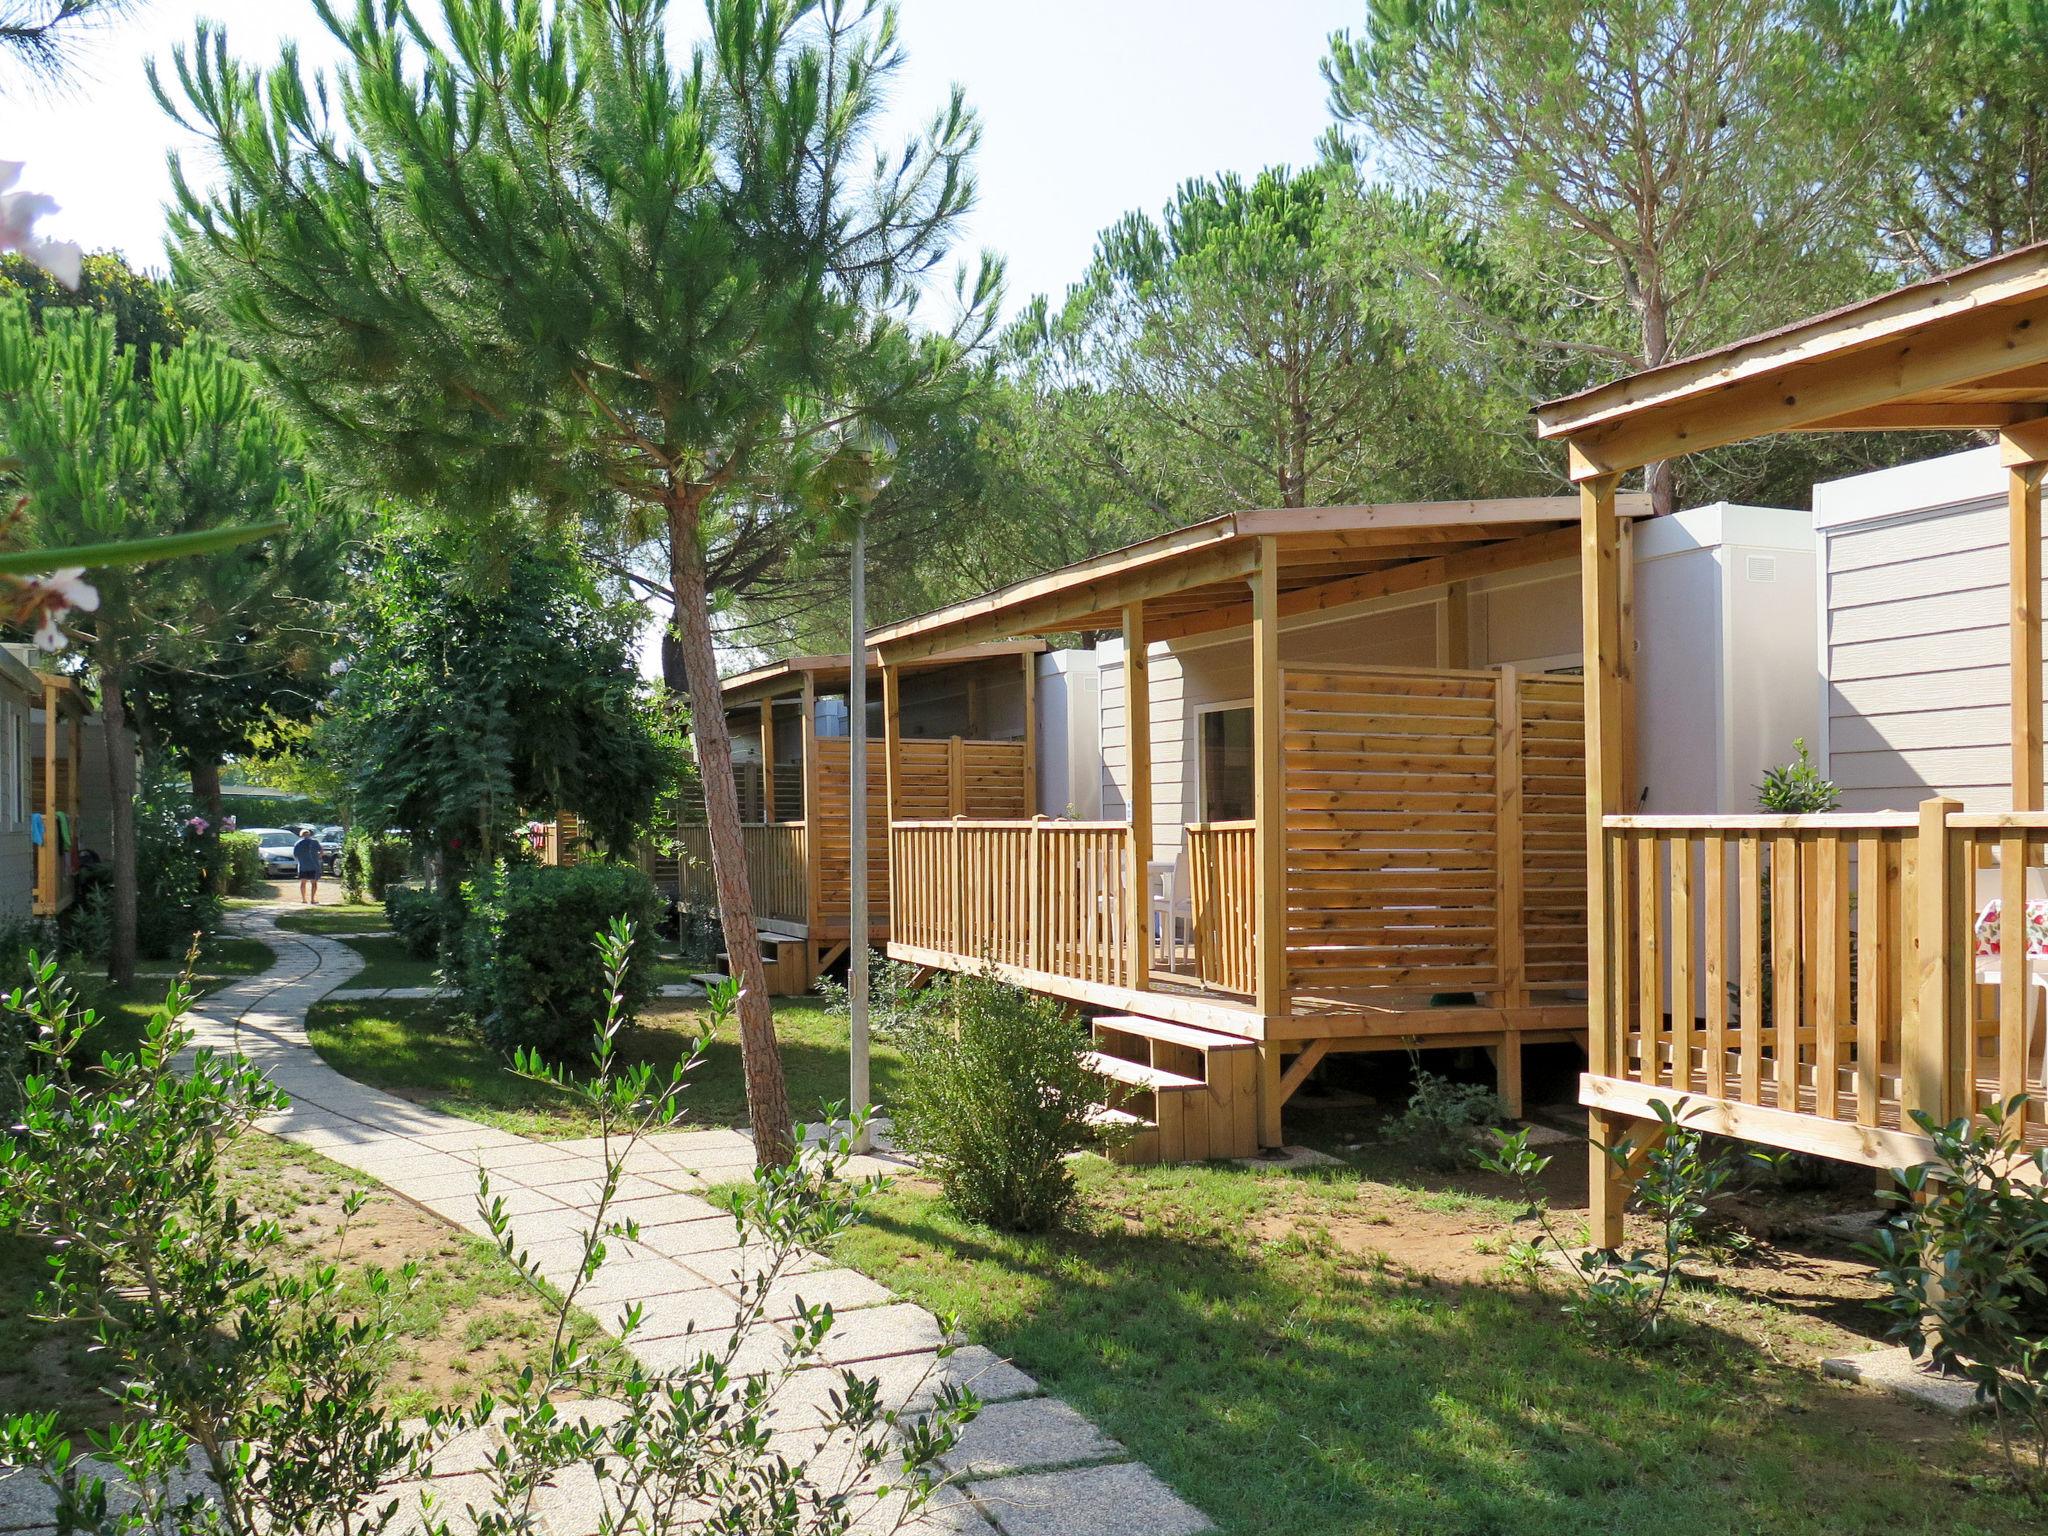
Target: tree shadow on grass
1286, 1389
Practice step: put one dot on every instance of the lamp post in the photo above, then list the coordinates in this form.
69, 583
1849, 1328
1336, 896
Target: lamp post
859, 1092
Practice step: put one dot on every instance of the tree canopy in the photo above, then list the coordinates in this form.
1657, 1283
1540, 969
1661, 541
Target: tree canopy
476, 697
96, 454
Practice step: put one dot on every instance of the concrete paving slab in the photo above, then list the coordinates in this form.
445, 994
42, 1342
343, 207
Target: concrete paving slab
1895, 1371
1120, 1499
900, 1328
1030, 1432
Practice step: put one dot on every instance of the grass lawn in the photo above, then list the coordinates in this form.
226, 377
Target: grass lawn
334, 918
1327, 1354
467, 1324
419, 1051
387, 963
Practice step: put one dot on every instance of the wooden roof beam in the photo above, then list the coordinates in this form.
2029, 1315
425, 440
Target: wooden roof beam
1069, 605
1967, 345
1415, 576
1940, 416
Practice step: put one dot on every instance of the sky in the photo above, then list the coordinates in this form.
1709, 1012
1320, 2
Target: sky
1090, 108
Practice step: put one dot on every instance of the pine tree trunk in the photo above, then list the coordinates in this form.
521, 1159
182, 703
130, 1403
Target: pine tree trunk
206, 790
695, 658
121, 792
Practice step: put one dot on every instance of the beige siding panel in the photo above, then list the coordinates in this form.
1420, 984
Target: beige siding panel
1921, 538
1921, 654
1969, 570
1934, 770
1937, 613
1928, 728
1970, 688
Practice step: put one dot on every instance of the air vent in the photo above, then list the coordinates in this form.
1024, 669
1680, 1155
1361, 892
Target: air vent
1761, 568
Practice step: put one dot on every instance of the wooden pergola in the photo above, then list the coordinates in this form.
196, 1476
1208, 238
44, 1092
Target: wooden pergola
1965, 351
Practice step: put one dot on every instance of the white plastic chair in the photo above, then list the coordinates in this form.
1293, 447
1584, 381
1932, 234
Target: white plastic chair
1990, 970
1171, 908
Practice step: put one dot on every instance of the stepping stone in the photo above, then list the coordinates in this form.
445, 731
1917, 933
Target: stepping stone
1894, 1370
1114, 1500
1029, 1432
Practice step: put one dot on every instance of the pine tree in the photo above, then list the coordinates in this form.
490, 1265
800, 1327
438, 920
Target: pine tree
548, 267
96, 455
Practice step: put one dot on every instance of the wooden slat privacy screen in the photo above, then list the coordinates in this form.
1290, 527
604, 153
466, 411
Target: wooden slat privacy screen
1430, 831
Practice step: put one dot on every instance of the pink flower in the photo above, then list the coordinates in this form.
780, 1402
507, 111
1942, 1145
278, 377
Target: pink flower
53, 595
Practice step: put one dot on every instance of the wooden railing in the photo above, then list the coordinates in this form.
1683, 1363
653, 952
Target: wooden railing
1223, 892
777, 871
1827, 965
1039, 895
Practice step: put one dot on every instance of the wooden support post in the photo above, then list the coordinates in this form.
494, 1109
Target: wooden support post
1454, 627
2023, 565
956, 777
1927, 1047
768, 760
1507, 1072
892, 731
1269, 797
1031, 806
1606, 668
1508, 872
1138, 755
809, 705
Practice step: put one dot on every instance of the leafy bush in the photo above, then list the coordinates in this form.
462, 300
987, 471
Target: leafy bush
1797, 789
419, 919
85, 929
700, 937
1624, 1298
1967, 1277
372, 863
993, 1097
174, 896
1442, 1122
241, 864
523, 963
271, 1381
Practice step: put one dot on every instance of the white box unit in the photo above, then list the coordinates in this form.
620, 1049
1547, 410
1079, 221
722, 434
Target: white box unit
1727, 641
1069, 735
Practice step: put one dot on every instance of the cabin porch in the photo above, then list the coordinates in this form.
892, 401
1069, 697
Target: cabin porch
1810, 983
1404, 864
973, 755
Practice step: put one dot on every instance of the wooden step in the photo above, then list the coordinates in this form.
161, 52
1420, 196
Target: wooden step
710, 978
1102, 1114
1138, 1075
1172, 1034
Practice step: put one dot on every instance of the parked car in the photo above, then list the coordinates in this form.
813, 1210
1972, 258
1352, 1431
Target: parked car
274, 847
331, 839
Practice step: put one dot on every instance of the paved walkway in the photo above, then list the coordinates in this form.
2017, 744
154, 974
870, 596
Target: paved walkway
1028, 1466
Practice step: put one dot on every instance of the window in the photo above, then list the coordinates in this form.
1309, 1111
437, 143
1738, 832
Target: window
1225, 777
21, 769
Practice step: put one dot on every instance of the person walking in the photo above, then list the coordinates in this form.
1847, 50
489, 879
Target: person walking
307, 851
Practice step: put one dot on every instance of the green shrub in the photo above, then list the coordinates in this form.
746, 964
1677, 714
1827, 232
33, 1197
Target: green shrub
1444, 1119
524, 964
700, 937
993, 1097
418, 918
1966, 1272
1797, 789
372, 863
241, 865
85, 929
175, 898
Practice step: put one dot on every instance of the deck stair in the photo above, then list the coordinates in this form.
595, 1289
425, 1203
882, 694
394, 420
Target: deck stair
1182, 1093
786, 957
